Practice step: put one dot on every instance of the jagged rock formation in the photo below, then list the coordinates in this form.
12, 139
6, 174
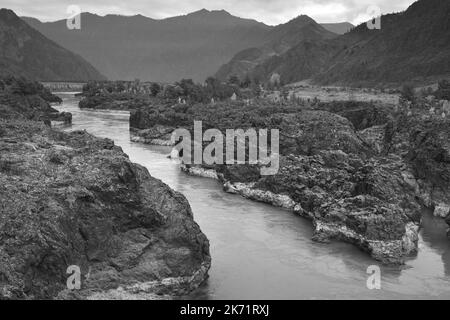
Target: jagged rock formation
430, 158
362, 115
369, 203
20, 98
73, 199
108, 103
156, 135
329, 172
26, 52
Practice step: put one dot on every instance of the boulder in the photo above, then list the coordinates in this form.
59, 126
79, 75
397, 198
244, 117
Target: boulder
362, 115
442, 211
77, 200
309, 132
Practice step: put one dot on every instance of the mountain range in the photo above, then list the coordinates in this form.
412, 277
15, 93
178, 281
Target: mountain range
26, 52
190, 46
411, 46
277, 41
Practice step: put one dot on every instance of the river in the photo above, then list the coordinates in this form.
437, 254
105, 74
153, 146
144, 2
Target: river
262, 252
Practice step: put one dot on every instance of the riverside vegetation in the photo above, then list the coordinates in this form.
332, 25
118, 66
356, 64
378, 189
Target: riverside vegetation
73, 199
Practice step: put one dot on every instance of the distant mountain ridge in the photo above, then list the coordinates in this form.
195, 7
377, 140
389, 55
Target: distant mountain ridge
129, 47
338, 28
126, 48
26, 52
412, 46
277, 41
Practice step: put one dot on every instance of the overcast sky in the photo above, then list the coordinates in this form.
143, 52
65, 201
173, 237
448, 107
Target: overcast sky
268, 11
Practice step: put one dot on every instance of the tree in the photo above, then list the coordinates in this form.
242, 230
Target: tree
285, 93
218, 90
155, 88
408, 93
246, 82
443, 91
234, 80
212, 87
187, 85
24, 87
212, 83
120, 87
193, 91
173, 92
256, 89
275, 80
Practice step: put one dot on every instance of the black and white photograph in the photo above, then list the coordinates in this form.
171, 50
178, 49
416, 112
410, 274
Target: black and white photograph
241, 151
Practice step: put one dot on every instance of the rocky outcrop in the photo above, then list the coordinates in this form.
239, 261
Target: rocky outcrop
302, 131
370, 204
62, 117
430, 157
310, 132
200, 171
70, 199
24, 99
249, 191
157, 135
346, 181
362, 115
160, 114
113, 102
369, 167
31, 107
97, 102
73, 199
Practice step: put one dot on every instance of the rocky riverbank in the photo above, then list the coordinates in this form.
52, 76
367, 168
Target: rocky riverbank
369, 204
356, 170
156, 135
109, 102
118, 95
429, 155
24, 99
71, 199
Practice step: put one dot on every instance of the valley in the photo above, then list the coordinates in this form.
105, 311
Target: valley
205, 156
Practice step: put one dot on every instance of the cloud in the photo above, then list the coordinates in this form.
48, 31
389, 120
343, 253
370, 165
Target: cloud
268, 11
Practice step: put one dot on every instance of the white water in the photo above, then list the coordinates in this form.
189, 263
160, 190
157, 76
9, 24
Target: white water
262, 252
